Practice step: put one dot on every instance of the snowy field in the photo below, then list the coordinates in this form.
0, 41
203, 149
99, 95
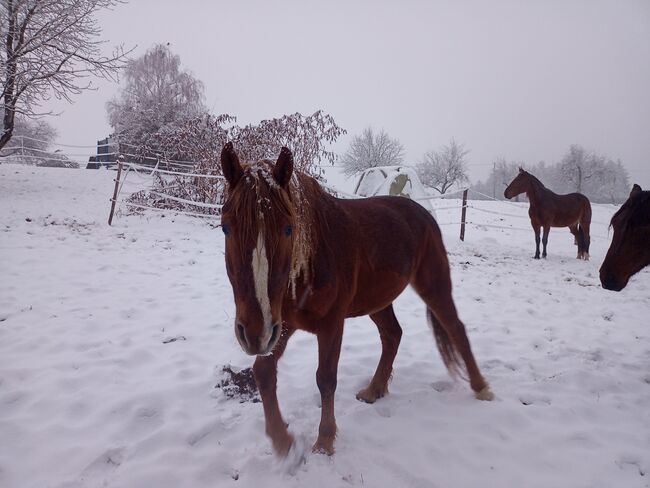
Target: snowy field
112, 340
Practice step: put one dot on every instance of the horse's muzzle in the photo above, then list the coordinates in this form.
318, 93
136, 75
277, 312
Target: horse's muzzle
259, 345
610, 282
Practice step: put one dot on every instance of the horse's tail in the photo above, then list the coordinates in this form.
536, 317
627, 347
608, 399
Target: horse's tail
448, 351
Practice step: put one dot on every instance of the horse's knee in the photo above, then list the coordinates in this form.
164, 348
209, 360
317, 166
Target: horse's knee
326, 381
265, 374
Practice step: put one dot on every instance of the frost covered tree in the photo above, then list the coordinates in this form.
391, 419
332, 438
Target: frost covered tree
201, 139
157, 94
615, 183
502, 173
30, 137
595, 175
370, 150
306, 136
599, 178
31, 144
444, 168
579, 168
49, 48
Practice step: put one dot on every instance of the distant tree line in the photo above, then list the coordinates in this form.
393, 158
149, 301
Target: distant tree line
600, 178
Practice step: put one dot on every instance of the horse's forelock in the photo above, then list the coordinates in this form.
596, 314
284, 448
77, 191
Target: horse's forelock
257, 204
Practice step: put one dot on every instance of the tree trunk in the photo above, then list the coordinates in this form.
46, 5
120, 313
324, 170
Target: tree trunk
10, 85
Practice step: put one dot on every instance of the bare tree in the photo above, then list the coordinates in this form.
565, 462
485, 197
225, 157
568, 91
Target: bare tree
370, 150
444, 168
31, 144
306, 136
49, 48
615, 183
201, 139
156, 93
578, 167
30, 137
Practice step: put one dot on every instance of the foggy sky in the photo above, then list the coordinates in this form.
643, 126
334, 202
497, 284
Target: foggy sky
514, 79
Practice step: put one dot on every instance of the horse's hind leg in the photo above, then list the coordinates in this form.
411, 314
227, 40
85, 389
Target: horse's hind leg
433, 284
584, 228
577, 238
574, 230
390, 333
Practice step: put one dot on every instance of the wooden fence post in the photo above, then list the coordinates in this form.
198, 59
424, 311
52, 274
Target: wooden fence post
462, 216
117, 185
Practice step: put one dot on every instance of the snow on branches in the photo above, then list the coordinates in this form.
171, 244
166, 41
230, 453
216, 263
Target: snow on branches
199, 140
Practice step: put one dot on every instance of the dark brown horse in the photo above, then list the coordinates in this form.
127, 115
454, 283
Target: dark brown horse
548, 209
298, 258
629, 251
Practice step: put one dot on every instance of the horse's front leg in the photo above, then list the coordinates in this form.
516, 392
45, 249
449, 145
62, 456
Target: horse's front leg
265, 370
536, 228
547, 229
329, 349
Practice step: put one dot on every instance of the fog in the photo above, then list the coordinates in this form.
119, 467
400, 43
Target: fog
520, 80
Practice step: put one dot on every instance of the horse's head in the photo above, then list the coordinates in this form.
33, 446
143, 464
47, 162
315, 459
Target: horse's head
257, 220
518, 185
629, 251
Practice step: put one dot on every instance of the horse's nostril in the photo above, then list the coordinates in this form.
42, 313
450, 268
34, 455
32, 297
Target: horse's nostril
241, 332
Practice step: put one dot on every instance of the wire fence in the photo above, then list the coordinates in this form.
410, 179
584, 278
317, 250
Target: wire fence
26, 149
464, 205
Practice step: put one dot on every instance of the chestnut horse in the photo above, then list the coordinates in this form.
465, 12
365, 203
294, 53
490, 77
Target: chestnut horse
629, 251
548, 209
299, 258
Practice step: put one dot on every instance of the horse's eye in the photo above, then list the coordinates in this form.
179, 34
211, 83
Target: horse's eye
226, 229
288, 230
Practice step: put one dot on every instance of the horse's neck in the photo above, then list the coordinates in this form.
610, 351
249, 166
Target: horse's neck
534, 191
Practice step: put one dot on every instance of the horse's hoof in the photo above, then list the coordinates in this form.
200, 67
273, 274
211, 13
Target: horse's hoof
535, 257
371, 395
283, 446
485, 394
323, 447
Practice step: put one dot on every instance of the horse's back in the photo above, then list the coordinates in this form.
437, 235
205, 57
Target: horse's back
393, 216
391, 238
568, 209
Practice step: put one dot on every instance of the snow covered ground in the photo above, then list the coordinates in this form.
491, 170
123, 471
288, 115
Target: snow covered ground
112, 340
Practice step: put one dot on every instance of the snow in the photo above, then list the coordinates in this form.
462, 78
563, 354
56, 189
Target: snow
94, 391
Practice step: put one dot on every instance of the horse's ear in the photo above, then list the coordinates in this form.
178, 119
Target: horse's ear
230, 165
636, 189
521, 170
283, 167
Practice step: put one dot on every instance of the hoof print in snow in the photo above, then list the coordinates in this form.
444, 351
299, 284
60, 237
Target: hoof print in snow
174, 339
238, 384
442, 386
535, 400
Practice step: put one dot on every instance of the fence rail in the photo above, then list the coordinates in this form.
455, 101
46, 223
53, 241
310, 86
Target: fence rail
464, 206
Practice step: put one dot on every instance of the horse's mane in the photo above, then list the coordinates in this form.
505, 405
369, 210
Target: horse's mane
257, 202
635, 211
534, 178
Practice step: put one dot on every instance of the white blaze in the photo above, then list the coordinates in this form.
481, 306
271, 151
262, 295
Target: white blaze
260, 266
